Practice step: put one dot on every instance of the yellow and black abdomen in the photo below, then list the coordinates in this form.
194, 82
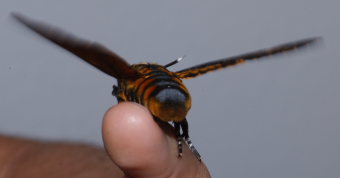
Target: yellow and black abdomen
158, 89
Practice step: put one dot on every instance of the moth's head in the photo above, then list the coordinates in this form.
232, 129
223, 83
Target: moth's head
147, 67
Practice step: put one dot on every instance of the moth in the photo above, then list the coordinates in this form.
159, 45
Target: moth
160, 90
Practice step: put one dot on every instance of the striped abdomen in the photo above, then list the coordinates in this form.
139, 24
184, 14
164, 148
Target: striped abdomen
158, 89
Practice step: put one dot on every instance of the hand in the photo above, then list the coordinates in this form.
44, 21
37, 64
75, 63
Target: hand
137, 144
134, 141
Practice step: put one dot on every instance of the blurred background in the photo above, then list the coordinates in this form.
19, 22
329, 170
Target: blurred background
271, 118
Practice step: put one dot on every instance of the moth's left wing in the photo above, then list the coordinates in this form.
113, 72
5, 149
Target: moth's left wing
91, 52
231, 61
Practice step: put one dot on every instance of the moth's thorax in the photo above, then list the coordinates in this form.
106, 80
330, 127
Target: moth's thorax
159, 89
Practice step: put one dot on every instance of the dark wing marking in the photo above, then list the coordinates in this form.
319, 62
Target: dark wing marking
230, 61
91, 52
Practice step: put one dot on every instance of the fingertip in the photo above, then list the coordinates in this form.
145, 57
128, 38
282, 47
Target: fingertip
133, 139
139, 146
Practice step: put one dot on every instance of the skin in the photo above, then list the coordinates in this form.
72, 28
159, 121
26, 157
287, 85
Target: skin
136, 147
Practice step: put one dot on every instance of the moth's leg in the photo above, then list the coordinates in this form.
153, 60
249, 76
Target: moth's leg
185, 130
115, 93
114, 90
177, 126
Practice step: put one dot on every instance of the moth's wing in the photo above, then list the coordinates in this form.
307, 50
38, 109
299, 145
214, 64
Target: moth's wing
231, 61
91, 52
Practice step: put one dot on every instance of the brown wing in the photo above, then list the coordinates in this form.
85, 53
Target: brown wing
230, 61
91, 52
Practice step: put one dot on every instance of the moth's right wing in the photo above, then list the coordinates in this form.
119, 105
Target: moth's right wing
91, 52
231, 61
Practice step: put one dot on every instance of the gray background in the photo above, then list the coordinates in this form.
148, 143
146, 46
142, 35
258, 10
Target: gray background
275, 118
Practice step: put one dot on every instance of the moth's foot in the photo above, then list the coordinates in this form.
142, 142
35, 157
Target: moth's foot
192, 148
180, 146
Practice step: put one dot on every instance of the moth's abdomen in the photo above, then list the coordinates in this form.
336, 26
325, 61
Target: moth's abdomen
161, 92
168, 101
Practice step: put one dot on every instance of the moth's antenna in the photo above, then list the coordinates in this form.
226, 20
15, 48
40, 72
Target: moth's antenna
174, 62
